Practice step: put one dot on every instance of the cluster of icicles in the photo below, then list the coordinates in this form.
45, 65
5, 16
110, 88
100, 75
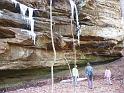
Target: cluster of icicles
29, 19
74, 12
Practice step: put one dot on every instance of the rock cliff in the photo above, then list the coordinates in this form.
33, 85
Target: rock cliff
101, 37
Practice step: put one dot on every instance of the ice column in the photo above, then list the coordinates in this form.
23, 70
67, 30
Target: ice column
31, 20
23, 9
75, 11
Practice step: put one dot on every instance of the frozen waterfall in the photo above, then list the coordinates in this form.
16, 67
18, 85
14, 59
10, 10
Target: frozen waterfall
75, 11
29, 19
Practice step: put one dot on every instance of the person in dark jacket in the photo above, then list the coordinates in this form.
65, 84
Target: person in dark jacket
89, 75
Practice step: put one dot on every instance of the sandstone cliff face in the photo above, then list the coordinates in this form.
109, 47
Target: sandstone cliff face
101, 33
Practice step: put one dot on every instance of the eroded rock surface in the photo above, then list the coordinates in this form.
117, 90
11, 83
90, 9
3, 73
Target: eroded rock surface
101, 33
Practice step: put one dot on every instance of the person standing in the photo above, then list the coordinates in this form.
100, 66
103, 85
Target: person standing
107, 76
75, 75
89, 75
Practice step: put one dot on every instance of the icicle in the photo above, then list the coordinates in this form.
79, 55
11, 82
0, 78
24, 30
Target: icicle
32, 25
122, 12
78, 26
78, 34
74, 7
30, 12
31, 20
15, 2
122, 7
23, 9
76, 11
33, 36
32, 30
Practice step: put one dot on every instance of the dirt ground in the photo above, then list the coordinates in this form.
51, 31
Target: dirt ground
100, 86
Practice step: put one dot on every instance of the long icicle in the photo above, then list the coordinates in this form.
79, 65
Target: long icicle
52, 77
122, 11
77, 23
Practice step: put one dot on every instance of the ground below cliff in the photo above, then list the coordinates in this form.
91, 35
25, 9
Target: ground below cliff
44, 86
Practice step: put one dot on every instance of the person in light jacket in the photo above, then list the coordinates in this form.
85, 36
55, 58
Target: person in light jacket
75, 75
107, 76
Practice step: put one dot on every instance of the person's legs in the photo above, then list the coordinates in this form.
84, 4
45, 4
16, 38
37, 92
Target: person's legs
90, 82
74, 80
109, 79
74, 83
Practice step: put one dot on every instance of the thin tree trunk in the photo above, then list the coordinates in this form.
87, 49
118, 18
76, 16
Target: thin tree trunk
52, 74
